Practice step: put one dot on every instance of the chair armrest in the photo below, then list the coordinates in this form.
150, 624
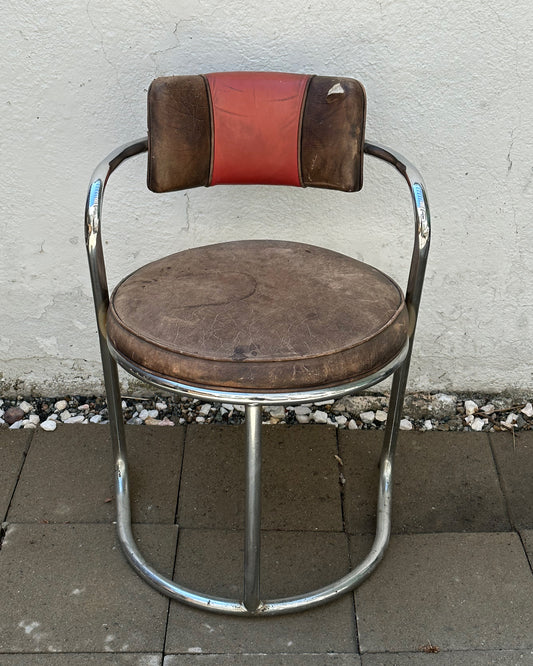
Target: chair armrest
93, 221
422, 220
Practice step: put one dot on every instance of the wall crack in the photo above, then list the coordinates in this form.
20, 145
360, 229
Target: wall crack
509, 160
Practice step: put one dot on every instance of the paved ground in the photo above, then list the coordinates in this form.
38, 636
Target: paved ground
457, 577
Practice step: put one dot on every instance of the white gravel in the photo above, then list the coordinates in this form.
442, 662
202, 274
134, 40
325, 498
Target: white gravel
437, 411
320, 416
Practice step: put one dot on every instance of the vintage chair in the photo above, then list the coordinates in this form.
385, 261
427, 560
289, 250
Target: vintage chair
250, 331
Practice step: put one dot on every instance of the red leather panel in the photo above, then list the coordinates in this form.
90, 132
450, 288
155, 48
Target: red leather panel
256, 121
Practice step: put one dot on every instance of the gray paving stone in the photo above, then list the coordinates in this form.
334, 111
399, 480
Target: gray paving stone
68, 475
68, 588
108, 659
514, 458
443, 482
13, 447
264, 660
300, 478
211, 560
457, 591
463, 658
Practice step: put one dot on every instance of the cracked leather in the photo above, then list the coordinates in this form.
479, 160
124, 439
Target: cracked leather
250, 127
258, 315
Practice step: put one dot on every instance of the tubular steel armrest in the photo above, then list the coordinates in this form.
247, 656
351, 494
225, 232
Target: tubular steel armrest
93, 219
419, 198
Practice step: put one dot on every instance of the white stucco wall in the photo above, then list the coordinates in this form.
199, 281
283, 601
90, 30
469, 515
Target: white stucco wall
449, 84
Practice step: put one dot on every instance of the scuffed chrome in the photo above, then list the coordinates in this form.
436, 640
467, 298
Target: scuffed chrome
251, 603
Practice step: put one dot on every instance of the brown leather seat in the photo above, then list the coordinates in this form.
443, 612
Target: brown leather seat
258, 315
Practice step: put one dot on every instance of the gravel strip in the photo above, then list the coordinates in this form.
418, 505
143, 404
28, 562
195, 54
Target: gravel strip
422, 411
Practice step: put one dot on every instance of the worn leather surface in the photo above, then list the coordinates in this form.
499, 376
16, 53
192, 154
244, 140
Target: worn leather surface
265, 315
255, 127
179, 133
333, 134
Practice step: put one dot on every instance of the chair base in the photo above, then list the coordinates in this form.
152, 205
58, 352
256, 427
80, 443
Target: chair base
251, 602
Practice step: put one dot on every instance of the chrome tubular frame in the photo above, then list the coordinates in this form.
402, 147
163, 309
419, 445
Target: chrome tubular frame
243, 398
252, 524
251, 603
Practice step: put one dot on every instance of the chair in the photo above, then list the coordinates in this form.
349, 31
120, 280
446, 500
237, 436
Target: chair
243, 322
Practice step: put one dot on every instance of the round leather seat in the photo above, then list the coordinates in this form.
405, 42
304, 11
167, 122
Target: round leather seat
258, 315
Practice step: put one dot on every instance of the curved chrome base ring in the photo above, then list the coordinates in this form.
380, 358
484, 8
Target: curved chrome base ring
258, 398
269, 607
251, 603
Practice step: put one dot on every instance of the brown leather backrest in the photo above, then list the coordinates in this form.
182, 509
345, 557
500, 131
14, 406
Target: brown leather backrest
255, 127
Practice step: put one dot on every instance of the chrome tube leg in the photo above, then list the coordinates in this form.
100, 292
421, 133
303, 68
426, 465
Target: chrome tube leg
113, 398
118, 440
388, 450
399, 383
252, 529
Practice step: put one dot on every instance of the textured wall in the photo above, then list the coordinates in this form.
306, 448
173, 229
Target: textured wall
448, 84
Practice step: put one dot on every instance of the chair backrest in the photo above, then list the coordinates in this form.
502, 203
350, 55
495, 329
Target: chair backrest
255, 128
